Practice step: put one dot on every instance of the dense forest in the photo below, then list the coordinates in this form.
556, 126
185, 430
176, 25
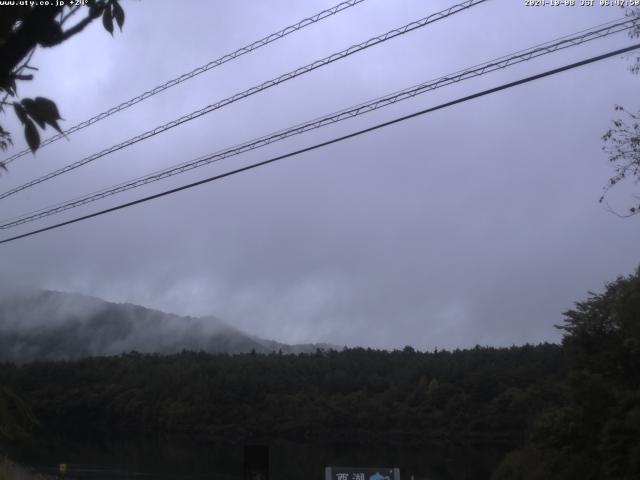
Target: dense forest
489, 394
482, 398
546, 411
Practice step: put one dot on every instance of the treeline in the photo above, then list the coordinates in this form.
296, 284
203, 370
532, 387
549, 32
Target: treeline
569, 411
483, 395
594, 431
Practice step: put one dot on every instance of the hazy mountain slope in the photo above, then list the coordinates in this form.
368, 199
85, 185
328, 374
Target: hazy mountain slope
47, 325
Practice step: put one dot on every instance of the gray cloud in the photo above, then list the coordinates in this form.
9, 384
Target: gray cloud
476, 224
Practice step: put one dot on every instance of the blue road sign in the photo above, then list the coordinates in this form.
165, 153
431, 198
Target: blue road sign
358, 473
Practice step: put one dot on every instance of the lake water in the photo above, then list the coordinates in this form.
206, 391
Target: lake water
181, 458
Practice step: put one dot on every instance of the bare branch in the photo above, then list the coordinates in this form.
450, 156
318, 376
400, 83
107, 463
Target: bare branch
77, 28
70, 13
609, 209
22, 77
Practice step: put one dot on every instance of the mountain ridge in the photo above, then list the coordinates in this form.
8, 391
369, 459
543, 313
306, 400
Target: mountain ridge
52, 325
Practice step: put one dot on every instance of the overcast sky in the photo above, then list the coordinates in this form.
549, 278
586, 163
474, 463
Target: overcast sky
478, 224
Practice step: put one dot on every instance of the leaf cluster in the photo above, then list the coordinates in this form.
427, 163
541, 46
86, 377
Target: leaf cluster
622, 144
23, 28
594, 433
112, 11
40, 110
622, 140
16, 416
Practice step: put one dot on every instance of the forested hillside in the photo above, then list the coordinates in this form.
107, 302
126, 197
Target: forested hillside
48, 325
594, 432
482, 396
569, 411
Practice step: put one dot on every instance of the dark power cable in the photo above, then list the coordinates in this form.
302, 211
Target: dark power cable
328, 142
197, 71
258, 88
351, 112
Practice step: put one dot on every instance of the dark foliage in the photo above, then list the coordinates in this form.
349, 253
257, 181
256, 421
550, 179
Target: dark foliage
622, 140
548, 411
16, 417
23, 28
595, 432
483, 396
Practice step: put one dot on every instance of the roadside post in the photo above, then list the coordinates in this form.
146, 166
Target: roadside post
256, 462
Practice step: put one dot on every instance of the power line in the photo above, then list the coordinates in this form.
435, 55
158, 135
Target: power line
478, 70
197, 71
263, 86
329, 142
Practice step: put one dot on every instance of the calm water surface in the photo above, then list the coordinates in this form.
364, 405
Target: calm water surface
182, 458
